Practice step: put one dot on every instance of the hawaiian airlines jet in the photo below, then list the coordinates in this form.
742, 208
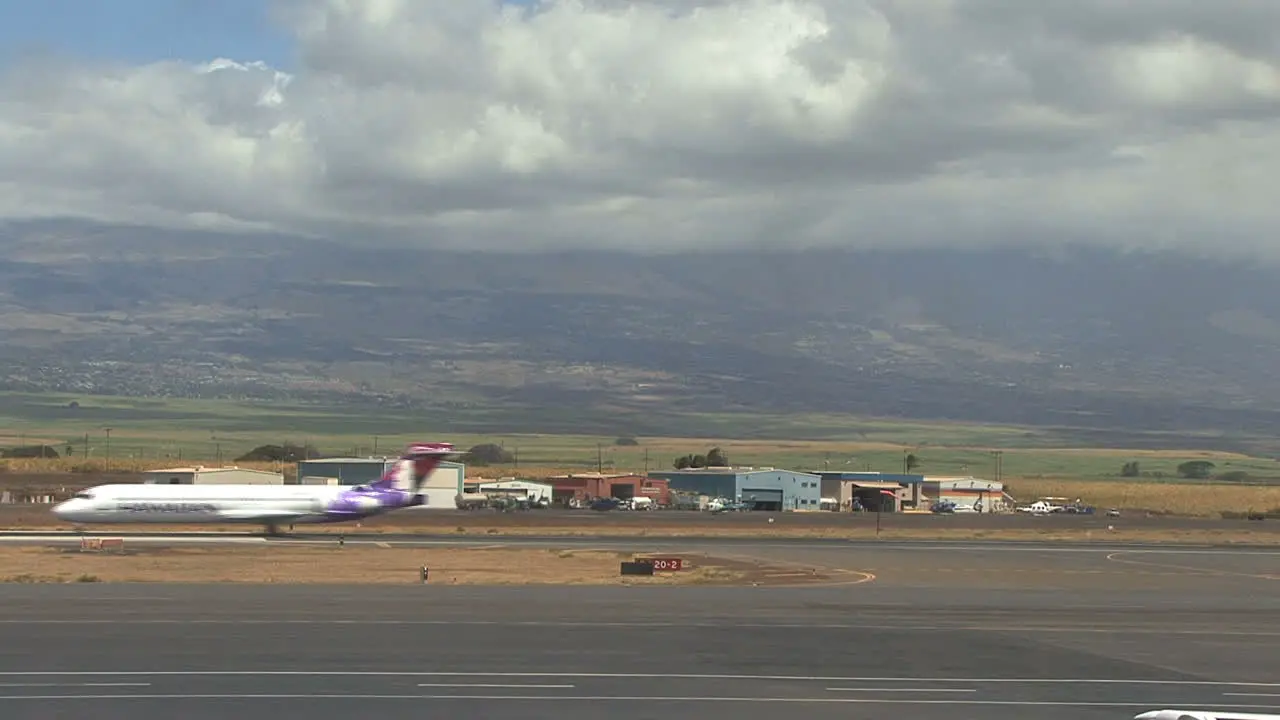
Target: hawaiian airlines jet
1202, 715
268, 505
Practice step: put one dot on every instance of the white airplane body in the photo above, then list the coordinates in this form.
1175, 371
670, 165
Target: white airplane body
145, 503
1202, 715
268, 505
1040, 507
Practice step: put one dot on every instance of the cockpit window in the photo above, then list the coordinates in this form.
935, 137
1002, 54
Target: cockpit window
83, 496
361, 488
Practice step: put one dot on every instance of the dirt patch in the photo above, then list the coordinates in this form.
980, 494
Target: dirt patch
146, 562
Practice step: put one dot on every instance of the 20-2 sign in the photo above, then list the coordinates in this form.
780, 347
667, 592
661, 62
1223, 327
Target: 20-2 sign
666, 564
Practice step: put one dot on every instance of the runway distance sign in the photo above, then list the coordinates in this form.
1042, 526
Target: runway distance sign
665, 564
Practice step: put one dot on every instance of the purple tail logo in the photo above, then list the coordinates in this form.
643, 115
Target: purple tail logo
418, 461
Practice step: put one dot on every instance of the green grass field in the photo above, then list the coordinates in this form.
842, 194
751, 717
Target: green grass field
211, 430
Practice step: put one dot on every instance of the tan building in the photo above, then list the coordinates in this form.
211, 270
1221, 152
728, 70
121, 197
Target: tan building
984, 496
201, 475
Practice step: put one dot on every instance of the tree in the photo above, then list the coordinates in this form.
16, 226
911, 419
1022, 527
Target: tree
288, 452
626, 442
1130, 469
686, 462
1196, 469
488, 454
30, 451
913, 462
717, 458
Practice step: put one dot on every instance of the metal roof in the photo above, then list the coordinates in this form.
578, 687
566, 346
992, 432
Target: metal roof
202, 469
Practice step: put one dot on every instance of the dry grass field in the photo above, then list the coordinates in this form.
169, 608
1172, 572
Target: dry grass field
98, 466
1185, 499
351, 564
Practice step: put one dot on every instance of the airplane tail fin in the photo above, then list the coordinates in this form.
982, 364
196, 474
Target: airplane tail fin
417, 462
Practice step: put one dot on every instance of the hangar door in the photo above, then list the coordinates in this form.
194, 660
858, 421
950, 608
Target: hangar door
762, 499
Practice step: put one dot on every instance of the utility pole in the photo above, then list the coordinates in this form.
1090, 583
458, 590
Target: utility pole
108, 448
646, 461
599, 458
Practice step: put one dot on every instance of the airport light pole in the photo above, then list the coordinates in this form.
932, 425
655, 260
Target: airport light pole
108, 460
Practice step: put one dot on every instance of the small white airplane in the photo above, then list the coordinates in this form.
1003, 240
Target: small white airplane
1201, 715
1041, 507
268, 505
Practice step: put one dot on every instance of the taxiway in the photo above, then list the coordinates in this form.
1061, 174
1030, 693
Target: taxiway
1065, 632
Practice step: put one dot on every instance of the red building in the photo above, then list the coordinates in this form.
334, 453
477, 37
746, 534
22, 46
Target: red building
588, 486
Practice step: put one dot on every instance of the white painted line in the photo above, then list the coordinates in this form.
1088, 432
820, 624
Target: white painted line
641, 624
1237, 694
75, 684
608, 698
492, 685
625, 676
903, 690
1183, 570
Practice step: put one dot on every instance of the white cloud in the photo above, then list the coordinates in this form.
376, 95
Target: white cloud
674, 123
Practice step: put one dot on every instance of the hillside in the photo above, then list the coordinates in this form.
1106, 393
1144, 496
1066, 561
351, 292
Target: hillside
1086, 337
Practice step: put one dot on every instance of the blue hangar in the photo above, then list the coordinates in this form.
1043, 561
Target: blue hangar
762, 488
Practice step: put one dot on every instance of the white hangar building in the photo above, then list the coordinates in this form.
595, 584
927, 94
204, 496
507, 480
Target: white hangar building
534, 491
201, 475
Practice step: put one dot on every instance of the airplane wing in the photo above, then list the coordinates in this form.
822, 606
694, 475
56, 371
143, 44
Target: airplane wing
263, 515
1202, 715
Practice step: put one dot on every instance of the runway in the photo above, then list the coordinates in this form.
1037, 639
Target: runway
1044, 634
48, 537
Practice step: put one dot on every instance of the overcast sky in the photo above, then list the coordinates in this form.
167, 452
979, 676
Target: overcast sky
670, 123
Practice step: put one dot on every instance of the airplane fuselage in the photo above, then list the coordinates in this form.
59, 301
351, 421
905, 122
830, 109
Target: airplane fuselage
260, 504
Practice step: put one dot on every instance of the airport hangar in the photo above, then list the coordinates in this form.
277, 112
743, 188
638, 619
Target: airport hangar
866, 487
442, 488
623, 486
201, 475
765, 488
983, 495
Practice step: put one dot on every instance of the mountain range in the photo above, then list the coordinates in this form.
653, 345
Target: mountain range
1105, 341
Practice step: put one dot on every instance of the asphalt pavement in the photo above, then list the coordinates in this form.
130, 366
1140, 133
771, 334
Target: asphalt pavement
1052, 639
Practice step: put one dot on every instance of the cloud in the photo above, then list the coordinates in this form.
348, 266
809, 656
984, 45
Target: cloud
674, 124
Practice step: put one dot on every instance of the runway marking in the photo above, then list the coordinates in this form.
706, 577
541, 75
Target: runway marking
610, 698
492, 685
912, 690
1093, 628
1238, 694
629, 676
75, 685
706, 541
1185, 570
